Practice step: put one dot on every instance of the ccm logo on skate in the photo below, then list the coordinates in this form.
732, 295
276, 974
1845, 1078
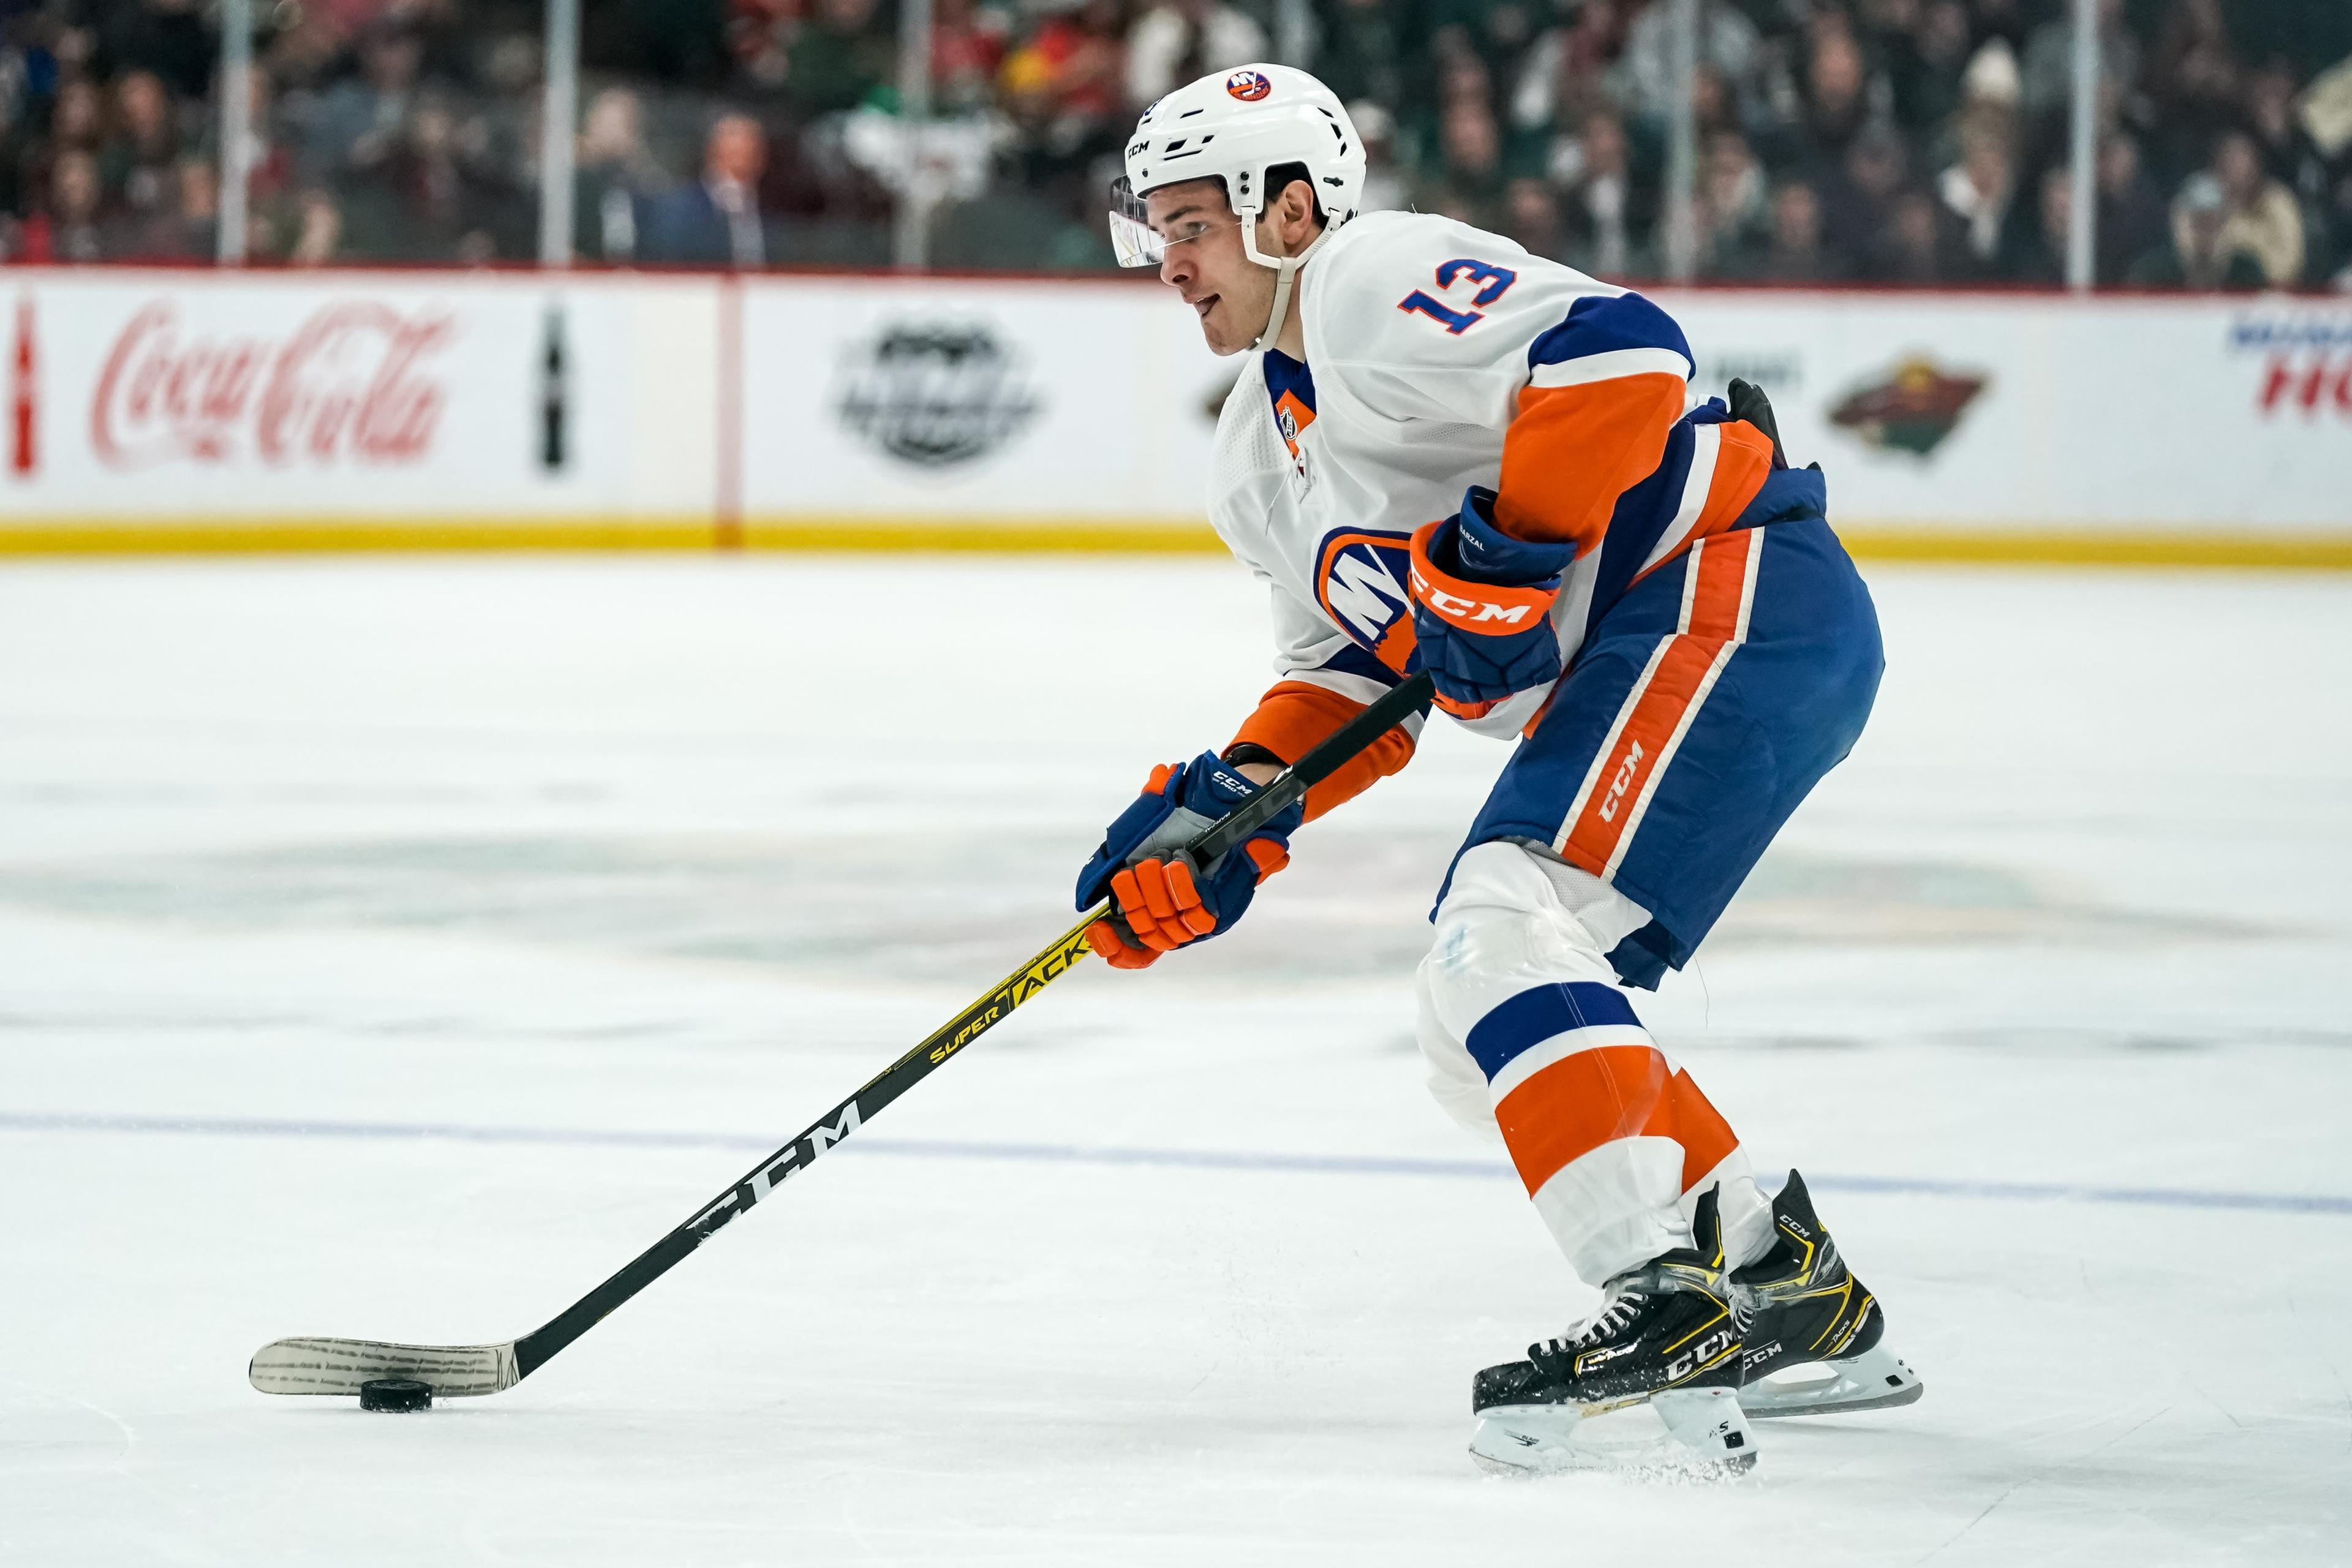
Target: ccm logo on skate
1700, 1355
1622, 782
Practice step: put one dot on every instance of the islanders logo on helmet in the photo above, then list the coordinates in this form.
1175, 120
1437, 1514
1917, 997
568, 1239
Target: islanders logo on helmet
1248, 86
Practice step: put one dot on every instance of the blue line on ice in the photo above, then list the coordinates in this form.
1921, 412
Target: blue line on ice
1082, 1155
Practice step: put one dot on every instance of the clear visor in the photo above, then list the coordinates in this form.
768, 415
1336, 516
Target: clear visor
1133, 240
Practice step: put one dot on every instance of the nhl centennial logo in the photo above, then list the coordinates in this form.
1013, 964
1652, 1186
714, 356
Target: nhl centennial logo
934, 395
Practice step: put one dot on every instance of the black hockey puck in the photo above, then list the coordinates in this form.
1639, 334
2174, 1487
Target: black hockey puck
396, 1394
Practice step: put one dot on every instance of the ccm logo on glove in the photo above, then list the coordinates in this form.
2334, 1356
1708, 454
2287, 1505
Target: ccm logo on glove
1464, 612
1164, 900
1482, 603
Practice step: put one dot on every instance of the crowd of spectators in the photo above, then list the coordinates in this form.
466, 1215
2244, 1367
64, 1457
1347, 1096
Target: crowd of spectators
1899, 142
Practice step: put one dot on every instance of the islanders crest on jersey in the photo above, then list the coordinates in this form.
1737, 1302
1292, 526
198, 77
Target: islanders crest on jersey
1360, 582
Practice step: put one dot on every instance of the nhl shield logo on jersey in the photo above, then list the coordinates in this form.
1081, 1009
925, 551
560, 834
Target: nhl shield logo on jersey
1248, 86
1291, 418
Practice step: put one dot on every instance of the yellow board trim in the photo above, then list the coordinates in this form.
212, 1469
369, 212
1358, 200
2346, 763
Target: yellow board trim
2314, 552
2317, 550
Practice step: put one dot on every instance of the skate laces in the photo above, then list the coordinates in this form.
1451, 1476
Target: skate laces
1623, 1305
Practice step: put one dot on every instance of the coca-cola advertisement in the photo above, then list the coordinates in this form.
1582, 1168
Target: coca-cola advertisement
358, 383
302, 403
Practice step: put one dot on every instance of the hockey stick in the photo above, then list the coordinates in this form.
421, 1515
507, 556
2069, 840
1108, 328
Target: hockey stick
310, 1365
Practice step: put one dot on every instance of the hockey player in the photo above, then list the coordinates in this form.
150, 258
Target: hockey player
1446, 453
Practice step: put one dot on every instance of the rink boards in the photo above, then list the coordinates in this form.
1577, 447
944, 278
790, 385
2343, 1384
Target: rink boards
173, 410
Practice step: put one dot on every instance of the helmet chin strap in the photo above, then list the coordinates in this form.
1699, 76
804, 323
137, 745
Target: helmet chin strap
1286, 274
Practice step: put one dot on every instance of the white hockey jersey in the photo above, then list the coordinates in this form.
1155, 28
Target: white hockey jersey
1439, 357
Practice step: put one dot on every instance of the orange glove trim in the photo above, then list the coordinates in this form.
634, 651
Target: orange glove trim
1474, 606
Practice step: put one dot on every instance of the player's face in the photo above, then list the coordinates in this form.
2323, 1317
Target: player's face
1205, 262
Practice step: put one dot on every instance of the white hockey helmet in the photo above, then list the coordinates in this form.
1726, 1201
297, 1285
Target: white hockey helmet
1235, 125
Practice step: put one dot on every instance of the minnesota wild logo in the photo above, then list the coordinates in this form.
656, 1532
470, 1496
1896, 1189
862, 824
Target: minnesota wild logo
1912, 409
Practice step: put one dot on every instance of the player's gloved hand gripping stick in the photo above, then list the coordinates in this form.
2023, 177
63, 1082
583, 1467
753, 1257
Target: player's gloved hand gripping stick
344, 1366
1166, 895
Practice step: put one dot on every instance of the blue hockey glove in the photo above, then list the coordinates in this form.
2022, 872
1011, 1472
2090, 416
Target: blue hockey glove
1482, 605
1163, 900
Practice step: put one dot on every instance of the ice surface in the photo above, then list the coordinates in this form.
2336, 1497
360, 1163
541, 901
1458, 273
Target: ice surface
391, 948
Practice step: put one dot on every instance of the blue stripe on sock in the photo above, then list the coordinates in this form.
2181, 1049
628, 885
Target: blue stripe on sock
1535, 1015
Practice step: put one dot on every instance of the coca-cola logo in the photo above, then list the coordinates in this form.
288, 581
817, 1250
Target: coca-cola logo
352, 385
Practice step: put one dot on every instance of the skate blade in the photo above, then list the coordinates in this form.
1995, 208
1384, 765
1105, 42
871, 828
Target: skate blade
1877, 1379
1682, 1434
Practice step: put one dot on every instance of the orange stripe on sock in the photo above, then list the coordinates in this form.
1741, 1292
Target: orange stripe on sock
1598, 1096
1706, 1138
1576, 1105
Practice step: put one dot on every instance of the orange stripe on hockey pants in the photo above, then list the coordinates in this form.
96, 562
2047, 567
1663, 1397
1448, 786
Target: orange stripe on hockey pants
1662, 702
1596, 1095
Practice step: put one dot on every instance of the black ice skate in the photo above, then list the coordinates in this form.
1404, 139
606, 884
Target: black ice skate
1666, 1338
1813, 1345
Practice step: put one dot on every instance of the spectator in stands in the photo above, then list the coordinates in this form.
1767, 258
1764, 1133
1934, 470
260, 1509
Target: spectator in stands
1735, 208
2264, 220
1644, 78
840, 58
2288, 151
968, 46
189, 229
1066, 84
138, 164
1468, 182
2195, 257
1604, 205
166, 38
1384, 185
618, 176
356, 133
1178, 41
1858, 199
673, 40
68, 230
1363, 54
716, 221
1980, 189
1533, 217
454, 201
2047, 70
2041, 258
319, 231
1927, 64
1836, 105
2133, 218
1798, 254
1919, 247
1564, 75
2194, 80
77, 124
